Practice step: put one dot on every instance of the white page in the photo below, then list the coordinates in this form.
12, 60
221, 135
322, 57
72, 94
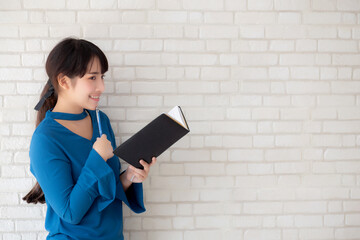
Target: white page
175, 114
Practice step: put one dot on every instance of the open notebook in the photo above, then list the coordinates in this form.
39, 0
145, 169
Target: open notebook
153, 139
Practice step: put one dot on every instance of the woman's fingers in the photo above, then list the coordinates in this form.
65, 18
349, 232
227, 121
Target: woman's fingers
139, 175
153, 161
145, 165
138, 172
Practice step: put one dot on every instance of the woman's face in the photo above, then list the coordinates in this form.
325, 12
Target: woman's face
87, 90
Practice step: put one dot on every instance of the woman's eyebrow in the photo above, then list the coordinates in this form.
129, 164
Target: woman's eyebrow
94, 73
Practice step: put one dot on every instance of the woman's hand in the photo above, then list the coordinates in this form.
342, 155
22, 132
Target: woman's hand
136, 175
103, 147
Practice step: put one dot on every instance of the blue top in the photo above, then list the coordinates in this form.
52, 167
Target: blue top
83, 193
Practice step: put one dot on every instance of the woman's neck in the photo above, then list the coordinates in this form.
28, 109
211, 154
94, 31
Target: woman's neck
67, 107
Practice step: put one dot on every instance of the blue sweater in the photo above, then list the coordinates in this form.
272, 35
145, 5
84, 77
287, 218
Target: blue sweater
83, 193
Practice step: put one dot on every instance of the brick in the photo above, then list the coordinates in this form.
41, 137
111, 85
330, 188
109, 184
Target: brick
43, 4
337, 46
164, 235
347, 233
255, 17
164, 4
341, 154
157, 196
322, 18
249, 46
103, 5
252, 73
262, 208
215, 32
62, 17
329, 5
12, 45
307, 45
6, 226
199, 169
258, 59
282, 155
59, 31
183, 100
184, 45
308, 221
215, 73
292, 140
282, 45
183, 223
348, 5
285, 31
291, 5
341, 127
161, 210
160, 87
262, 234
345, 59
9, 31
257, 32
260, 5
150, 73
260, 169
169, 17
350, 219
321, 32
291, 168
202, 5
197, 59
140, 114
16, 4
289, 18
218, 45
218, 17
138, 4
305, 73
265, 113
130, 31
305, 207
167, 31
198, 87
21, 212
294, 114
211, 222
151, 45
8, 17
297, 59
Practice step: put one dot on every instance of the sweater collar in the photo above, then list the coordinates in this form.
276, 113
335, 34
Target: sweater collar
66, 116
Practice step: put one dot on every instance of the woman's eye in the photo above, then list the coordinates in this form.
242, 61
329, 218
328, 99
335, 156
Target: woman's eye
93, 78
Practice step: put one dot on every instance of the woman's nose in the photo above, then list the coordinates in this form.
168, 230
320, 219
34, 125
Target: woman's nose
100, 86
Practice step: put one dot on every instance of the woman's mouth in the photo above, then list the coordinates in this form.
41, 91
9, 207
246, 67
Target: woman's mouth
95, 98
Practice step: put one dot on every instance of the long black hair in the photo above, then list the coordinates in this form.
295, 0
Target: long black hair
70, 57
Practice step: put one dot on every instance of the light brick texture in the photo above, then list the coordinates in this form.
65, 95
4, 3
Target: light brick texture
270, 89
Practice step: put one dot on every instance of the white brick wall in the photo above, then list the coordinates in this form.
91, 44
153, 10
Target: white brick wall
270, 88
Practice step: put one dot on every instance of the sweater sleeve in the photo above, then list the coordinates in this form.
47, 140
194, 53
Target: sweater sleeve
68, 199
133, 197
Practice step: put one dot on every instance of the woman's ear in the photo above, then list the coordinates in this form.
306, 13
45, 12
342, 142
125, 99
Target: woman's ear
64, 81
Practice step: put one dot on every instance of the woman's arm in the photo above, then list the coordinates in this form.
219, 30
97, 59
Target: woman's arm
70, 200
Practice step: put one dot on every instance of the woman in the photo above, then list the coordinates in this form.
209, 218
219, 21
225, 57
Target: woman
78, 175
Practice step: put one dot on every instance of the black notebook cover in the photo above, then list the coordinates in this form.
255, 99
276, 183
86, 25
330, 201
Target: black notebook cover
151, 141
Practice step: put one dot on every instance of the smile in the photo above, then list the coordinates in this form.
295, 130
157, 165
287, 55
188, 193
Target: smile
95, 98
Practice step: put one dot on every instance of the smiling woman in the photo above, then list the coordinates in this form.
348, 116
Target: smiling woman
78, 175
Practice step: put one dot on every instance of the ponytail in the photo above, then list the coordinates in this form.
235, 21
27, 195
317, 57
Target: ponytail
48, 99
